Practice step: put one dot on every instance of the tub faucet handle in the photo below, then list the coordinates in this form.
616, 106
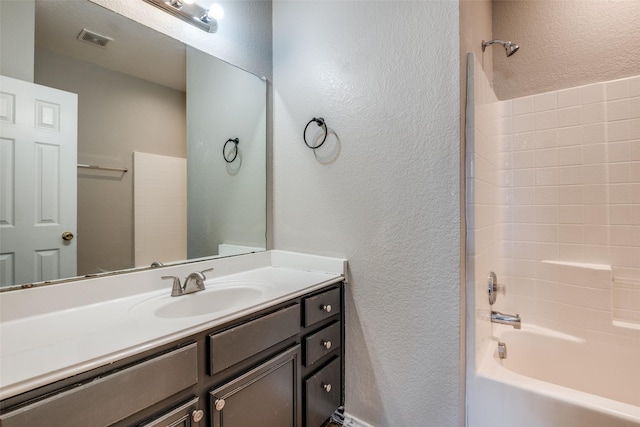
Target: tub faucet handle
493, 287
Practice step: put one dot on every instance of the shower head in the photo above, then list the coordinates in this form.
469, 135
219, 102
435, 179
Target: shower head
509, 47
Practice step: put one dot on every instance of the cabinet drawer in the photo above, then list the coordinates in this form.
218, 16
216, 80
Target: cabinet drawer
321, 343
114, 397
322, 306
236, 344
323, 393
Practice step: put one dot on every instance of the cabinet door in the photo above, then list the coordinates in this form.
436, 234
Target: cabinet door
266, 396
186, 415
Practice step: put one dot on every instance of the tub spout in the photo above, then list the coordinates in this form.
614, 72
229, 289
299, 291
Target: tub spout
506, 319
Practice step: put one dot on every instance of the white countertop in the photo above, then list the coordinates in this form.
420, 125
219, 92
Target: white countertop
52, 332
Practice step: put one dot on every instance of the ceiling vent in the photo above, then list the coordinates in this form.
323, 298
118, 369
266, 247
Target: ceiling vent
94, 38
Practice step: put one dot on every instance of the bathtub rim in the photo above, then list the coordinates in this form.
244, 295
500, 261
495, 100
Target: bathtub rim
489, 369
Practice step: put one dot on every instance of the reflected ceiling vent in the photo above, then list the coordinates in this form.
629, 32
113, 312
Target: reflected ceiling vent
94, 38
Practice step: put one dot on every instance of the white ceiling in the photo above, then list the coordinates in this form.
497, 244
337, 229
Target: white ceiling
135, 49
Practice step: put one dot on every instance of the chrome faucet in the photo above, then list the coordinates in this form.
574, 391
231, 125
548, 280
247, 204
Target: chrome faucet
194, 282
506, 319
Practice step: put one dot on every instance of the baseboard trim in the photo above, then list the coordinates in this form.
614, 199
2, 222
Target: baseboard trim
351, 421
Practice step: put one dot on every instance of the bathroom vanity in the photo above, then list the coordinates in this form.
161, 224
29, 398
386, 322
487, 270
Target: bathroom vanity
276, 360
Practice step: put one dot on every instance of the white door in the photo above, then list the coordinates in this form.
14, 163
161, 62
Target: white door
38, 182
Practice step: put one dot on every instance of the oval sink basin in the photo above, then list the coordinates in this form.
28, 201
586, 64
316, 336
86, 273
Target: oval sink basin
205, 302
213, 300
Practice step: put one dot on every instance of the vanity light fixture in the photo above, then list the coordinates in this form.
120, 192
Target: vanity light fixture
189, 11
216, 12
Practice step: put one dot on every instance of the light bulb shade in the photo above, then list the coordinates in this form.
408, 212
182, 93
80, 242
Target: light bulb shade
215, 12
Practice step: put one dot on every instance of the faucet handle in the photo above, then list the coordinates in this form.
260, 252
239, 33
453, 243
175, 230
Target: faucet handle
176, 289
199, 275
201, 278
195, 281
206, 271
493, 288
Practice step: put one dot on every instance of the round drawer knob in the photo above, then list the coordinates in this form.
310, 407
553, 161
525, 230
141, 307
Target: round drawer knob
326, 344
327, 308
197, 415
219, 404
326, 387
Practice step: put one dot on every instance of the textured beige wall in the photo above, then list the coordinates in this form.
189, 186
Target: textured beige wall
17, 34
475, 26
564, 44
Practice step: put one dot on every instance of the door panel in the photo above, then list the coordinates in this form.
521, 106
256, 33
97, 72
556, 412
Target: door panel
266, 396
38, 182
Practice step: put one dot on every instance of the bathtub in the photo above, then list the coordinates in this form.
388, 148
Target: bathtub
550, 379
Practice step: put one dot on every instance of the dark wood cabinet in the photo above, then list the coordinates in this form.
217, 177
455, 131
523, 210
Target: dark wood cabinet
188, 414
105, 400
323, 355
278, 367
323, 342
322, 306
266, 396
232, 346
323, 393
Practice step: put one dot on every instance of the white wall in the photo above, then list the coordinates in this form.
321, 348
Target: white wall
383, 191
226, 200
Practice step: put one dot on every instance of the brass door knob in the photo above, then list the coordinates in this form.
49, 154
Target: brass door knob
67, 235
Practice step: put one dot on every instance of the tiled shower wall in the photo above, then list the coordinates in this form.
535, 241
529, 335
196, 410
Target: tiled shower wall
483, 213
570, 182
160, 208
553, 207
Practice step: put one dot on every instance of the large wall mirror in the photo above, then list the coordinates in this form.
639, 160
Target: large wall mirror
149, 179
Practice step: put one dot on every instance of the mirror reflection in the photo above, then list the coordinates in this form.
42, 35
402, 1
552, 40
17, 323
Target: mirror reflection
154, 114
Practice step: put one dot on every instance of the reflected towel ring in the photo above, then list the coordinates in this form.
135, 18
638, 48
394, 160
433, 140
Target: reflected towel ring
320, 122
236, 141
